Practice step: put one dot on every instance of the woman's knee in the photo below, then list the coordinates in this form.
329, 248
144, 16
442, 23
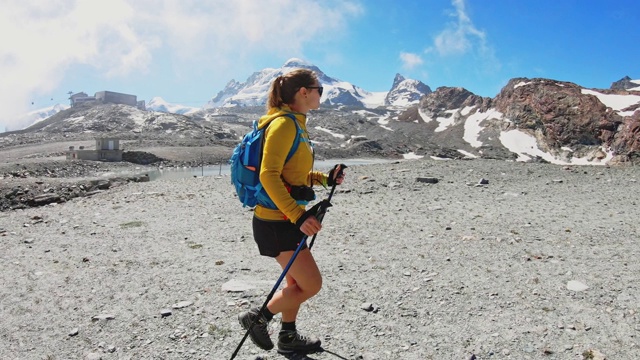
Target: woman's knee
309, 286
304, 274
314, 287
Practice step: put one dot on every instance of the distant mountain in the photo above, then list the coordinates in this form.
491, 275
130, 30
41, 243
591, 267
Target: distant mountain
405, 92
533, 120
39, 115
626, 84
530, 120
254, 91
158, 104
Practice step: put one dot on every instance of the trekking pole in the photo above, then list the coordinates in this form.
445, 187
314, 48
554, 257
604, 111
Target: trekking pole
322, 209
340, 169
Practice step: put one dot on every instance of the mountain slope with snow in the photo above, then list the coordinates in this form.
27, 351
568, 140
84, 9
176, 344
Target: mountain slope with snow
254, 91
159, 104
39, 115
405, 92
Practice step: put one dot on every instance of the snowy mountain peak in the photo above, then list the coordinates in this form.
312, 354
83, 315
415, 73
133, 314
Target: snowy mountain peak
405, 92
254, 91
296, 63
397, 80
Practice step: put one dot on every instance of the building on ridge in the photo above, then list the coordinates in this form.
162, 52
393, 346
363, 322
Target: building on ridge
107, 149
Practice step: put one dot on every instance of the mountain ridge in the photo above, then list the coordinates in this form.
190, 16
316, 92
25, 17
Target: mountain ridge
529, 120
254, 91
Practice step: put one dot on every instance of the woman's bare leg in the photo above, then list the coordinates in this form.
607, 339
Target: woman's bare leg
303, 282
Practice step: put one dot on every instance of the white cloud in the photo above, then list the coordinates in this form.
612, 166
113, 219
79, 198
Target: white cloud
410, 60
460, 36
43, 40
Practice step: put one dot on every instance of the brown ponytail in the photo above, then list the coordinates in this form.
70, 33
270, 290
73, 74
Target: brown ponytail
284, 87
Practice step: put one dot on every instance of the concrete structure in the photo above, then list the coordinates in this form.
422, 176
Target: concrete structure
107, 149
116, 98
108, 97
80, 98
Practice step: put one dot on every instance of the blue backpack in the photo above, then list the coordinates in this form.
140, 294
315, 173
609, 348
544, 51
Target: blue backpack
245, 166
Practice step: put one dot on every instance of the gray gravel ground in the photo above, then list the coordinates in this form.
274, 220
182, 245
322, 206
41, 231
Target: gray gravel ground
411, 270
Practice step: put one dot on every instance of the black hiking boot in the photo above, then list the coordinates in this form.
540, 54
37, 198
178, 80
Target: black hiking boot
259, 332
293, 342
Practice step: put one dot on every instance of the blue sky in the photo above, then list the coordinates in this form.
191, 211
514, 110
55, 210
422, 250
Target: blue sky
185, 51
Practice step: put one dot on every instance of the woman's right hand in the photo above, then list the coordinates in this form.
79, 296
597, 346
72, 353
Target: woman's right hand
336, 175
310, 226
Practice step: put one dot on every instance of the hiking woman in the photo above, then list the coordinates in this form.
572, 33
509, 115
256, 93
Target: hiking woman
278, 231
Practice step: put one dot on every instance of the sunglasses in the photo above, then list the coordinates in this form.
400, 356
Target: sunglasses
320, 89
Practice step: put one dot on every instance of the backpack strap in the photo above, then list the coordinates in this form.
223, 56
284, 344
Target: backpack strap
297, 139
294, 147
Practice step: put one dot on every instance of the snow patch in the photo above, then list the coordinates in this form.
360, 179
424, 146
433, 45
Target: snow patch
467, 110
424, 116
467, 154
160, 105
445, 122
472, 126
526, 147
614, 101
76, 120
521, 83
336, 135
412, 156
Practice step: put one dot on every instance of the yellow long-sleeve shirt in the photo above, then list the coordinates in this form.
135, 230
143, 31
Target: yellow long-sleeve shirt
274, 172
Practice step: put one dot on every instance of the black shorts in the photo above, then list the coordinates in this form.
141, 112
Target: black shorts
273, 237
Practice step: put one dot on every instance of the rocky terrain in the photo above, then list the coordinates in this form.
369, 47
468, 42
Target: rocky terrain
423, 259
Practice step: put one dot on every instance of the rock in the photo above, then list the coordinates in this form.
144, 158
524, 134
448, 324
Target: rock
165, 312
574, 285
367, 307
74, 332
236, 286
182, 304
369, 356
427, 180
593, 354
103, 317
101, 184
44, 199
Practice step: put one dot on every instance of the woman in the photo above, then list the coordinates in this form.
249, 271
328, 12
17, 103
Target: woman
278, 231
